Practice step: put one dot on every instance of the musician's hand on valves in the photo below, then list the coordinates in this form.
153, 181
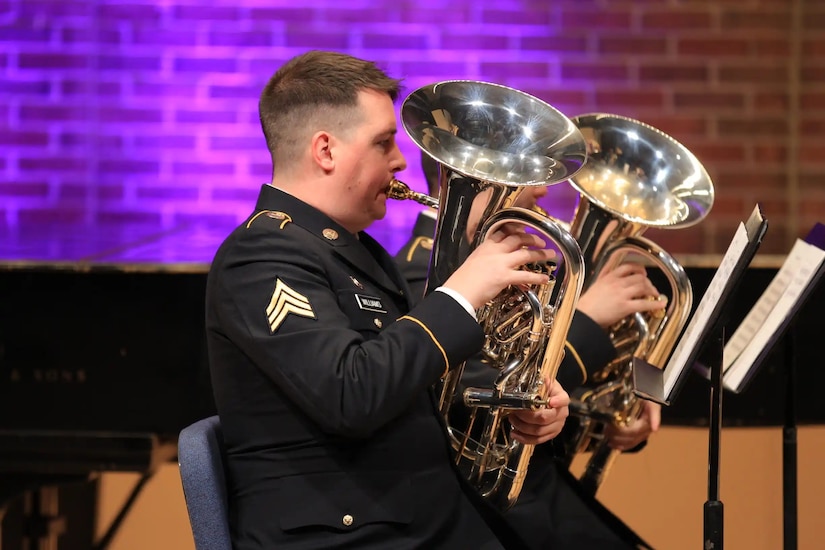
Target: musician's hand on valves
535, 427
495, 264
623, 438
618, 293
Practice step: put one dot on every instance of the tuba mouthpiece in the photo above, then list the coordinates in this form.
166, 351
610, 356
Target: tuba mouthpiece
399, 190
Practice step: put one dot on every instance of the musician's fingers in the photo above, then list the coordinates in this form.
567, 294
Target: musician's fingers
526, 240
536, 422
650, 303
627, 437
558, 398
525, 278
496, 236
533, 429
627, 269
651, 288
534, 255
654, 414
637, 291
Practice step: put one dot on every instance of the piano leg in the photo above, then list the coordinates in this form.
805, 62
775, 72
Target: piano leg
44, 521
50, 517
45, 524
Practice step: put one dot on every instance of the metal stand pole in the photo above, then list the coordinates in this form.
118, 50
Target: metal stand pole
714, 510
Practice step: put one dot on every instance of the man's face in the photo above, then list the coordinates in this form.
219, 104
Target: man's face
368, 157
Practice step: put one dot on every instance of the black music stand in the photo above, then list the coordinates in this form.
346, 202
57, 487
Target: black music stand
789, 448
705, 335
771, 319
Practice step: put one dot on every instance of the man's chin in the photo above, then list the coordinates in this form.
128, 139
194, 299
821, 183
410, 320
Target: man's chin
381, 207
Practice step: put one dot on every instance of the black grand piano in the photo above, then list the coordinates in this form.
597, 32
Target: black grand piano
102, 363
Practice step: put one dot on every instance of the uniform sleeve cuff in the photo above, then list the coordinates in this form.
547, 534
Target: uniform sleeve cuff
468, 307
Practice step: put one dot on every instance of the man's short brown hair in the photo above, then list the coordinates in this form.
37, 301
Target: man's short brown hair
315, 90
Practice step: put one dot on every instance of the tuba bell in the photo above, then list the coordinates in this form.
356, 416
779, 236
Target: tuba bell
635, 177
490, 143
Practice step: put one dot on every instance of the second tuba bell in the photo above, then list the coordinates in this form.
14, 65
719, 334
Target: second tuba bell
491, 142
635, 177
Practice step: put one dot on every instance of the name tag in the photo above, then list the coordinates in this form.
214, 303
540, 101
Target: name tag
370, 303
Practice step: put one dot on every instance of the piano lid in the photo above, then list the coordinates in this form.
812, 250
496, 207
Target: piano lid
121, 247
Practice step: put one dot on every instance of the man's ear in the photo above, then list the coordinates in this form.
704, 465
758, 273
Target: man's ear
322, 151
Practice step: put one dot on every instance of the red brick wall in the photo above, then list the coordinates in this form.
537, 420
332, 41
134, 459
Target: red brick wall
146, 110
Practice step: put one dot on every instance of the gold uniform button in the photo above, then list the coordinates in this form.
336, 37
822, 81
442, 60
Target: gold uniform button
330, 234
347, 520
378, 322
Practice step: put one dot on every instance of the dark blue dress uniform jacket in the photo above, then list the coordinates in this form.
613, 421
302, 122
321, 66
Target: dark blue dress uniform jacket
322, 377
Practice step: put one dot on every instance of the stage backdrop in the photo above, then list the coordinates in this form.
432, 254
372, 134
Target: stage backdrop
144, 111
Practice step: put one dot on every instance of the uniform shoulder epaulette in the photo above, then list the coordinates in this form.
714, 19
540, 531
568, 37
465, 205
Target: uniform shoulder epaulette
424, 242
275, 215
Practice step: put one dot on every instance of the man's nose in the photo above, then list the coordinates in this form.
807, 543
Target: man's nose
399, 162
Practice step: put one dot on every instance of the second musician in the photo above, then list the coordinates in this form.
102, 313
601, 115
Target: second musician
551, 511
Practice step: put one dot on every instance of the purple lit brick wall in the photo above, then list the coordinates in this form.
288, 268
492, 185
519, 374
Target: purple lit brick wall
145, 111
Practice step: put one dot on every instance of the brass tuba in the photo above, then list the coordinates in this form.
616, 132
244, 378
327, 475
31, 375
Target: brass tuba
635, 177
490, 143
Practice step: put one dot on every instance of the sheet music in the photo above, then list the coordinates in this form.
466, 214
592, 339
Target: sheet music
704, 310
770, 311
763, 307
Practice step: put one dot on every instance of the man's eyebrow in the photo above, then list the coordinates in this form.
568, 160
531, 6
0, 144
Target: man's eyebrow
387, 133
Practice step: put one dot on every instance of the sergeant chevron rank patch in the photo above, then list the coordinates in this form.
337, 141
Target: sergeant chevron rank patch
285, 301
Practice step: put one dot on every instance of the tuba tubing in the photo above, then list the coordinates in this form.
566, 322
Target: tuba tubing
511, 476
654, 342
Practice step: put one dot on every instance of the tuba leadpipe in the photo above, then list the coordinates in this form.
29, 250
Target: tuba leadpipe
490, 143
635, 177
